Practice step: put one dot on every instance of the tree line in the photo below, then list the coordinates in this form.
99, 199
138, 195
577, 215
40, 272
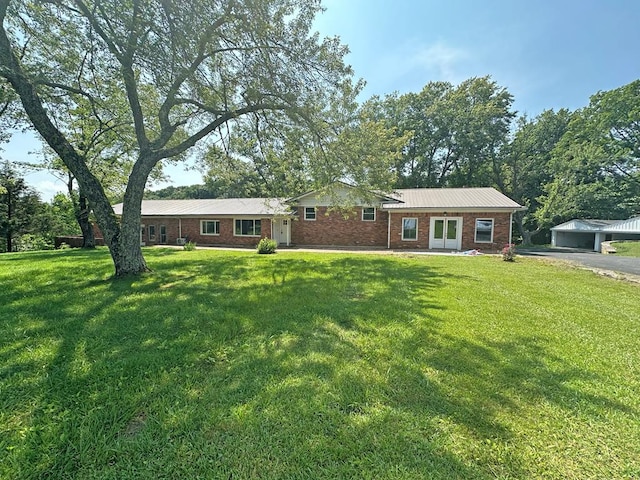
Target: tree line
117, 89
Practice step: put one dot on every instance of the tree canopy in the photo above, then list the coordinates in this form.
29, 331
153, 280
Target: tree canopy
169, 74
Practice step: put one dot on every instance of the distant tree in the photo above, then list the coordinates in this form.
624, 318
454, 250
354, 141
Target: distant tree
596, 164
455, 132
61, 215
526, 165
187, 69
180, 193
19, 206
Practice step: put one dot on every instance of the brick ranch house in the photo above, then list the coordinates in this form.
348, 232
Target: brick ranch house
421, 218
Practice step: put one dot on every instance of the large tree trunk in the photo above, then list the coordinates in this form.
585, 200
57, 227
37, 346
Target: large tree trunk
123, 242
127, 252
526, 234
82, 215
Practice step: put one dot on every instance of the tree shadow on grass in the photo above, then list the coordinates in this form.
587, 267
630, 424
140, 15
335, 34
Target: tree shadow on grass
260, 367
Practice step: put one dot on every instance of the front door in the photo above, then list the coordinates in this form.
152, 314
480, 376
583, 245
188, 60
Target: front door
281, 231
446, 233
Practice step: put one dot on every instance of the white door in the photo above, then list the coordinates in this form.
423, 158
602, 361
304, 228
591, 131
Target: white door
446, 232
280, 231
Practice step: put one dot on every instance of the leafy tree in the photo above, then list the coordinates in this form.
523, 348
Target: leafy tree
526, 168
270, 159
455, 132
198, 66
19, 206
62, 216
596, 164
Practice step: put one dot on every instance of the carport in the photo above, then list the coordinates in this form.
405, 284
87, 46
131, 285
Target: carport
589, 234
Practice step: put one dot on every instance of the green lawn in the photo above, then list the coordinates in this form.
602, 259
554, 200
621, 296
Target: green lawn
627, 249
296, 365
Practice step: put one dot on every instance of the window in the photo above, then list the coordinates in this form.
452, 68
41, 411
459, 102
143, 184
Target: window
409, 229
210, 227
484, 230
247, 228
163, 234
368, 214
438, 229
152, 232
309, 213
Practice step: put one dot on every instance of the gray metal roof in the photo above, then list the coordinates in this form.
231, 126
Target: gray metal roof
631, 225
451, 199
215, 206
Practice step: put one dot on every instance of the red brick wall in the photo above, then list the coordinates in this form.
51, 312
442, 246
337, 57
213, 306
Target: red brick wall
501, 224
191, 231
334, 229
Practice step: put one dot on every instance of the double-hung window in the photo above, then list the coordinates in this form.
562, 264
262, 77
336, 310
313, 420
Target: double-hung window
151, 232
210, 227
409, 229
484, 230
309, 213
247, 228
368, 214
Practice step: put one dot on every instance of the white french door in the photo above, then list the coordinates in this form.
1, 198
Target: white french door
445, 232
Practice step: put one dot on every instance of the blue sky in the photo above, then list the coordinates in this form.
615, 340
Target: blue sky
546, 53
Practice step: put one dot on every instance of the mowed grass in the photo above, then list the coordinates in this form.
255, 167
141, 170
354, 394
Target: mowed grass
628, 248
296, 365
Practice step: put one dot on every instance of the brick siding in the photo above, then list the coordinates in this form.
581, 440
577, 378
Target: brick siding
191, 231
333, 229
501, 224
336, 229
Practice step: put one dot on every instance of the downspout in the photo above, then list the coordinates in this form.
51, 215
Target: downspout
388, 229
511, 228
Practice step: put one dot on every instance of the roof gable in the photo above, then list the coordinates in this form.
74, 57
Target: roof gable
337, 193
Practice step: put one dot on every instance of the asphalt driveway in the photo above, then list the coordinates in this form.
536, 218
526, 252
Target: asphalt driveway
630, 265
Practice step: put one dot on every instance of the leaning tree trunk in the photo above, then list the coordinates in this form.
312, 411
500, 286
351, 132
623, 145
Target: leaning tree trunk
123, 240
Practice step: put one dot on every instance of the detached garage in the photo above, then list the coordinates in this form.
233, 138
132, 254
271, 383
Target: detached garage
589, 234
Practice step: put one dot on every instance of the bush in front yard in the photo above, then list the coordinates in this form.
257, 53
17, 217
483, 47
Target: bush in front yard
267, 245
509, 253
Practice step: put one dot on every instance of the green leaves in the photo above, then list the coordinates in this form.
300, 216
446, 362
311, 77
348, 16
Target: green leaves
596, 164
454, 132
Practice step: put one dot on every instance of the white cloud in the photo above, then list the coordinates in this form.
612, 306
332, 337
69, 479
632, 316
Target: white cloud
440, 60
412, 64
46, 188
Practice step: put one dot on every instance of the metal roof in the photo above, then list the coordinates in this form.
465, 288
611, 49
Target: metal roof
212, 206
451, 199
631, 225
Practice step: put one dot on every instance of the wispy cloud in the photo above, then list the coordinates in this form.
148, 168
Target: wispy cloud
48, 188
411, 65
440, 60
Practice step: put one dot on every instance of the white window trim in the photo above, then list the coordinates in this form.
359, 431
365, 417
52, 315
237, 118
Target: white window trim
402, 229
315, 213
202, 222
475, 232
254, 227
374, 214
